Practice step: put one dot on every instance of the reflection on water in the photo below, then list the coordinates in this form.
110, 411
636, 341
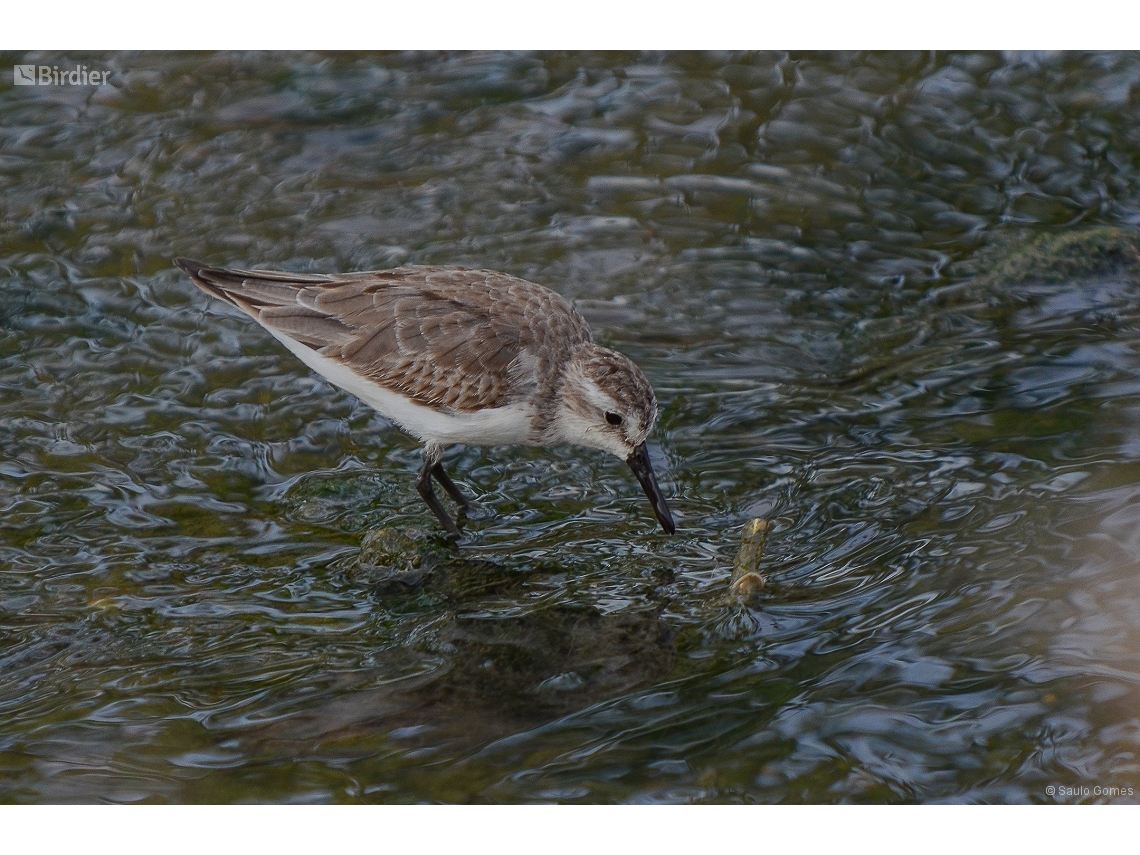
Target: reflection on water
819, 261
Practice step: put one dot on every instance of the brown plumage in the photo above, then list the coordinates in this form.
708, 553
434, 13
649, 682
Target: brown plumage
442, 336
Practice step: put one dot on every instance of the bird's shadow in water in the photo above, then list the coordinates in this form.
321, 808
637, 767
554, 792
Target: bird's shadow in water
484, 674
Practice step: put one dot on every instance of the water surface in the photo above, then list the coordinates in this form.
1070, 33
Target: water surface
953, 604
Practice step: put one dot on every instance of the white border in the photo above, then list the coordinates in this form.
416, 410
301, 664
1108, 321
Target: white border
505, 830
586, 24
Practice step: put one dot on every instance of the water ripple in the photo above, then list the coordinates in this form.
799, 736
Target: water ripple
800, 251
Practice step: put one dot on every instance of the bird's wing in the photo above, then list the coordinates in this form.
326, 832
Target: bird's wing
446, 337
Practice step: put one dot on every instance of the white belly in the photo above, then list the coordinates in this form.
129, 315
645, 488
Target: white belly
500, 426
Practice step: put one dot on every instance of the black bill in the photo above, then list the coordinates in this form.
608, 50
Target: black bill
639, 463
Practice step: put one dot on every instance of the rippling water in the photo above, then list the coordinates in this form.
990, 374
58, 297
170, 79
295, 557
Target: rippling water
952, 476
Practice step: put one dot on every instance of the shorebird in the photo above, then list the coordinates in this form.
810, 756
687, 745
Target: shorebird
454, 355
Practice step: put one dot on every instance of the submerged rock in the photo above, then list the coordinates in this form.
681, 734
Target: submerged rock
1079, 253
1014, 271
399, 559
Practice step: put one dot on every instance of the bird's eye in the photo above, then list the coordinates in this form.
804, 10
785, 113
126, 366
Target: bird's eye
613, 418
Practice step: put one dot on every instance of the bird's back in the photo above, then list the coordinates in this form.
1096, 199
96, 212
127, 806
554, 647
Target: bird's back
449, 338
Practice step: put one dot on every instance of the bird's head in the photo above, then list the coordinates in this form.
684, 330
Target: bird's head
606, 403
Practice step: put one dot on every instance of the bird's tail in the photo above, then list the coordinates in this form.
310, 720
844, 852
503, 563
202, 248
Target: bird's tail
249, 290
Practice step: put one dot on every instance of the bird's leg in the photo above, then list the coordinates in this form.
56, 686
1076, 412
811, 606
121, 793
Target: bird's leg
432, 455
450, 487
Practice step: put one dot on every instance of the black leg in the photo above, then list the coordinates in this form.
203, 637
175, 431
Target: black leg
423, 485
450, 487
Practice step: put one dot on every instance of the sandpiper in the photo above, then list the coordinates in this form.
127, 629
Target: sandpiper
455, 356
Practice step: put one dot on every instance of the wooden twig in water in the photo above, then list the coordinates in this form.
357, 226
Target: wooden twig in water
746, 580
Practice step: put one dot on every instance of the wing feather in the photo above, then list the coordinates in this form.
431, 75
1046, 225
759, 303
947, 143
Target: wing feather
447, 337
